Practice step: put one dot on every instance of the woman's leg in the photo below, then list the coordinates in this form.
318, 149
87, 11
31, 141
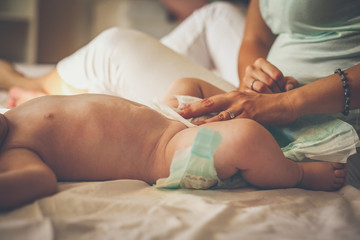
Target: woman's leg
23, 88
90, 68
10, 77
125, 63
49, 83
132, 65
211, 37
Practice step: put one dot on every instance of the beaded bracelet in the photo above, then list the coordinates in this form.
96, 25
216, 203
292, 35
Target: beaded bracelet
346, 87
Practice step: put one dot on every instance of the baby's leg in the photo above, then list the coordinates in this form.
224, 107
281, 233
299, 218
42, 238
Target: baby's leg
23, 178
250, 148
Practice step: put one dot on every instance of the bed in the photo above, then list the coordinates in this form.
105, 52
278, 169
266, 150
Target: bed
131, 209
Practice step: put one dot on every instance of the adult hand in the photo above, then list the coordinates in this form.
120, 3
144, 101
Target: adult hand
263, 77
272, 109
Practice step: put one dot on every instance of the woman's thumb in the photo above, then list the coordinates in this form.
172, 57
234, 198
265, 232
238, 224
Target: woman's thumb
290, 83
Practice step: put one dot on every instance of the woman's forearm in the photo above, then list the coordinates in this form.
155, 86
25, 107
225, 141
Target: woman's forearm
326, 95
257, 40
249, 52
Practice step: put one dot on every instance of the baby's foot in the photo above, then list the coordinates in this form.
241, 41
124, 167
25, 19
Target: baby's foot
8, 75
324, 176
18, 96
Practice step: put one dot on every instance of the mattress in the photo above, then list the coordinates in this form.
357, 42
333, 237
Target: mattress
131, 209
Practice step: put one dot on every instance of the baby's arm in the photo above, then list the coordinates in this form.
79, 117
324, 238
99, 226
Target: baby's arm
24, 177
189, 87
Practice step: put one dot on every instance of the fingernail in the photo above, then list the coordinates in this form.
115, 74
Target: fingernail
198, 123
289, 87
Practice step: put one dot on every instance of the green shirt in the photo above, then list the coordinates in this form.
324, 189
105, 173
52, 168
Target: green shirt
314, 38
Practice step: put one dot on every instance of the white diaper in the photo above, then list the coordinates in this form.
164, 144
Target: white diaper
193, 167
317, 137
4, 110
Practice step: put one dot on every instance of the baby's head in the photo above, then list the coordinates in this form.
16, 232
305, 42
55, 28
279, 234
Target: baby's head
3, 128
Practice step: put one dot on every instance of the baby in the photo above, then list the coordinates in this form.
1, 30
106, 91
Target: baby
102, 137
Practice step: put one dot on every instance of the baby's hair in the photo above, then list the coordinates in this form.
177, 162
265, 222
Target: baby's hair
3, 128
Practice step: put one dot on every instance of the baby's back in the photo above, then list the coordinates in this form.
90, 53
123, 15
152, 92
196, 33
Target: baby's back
92, 136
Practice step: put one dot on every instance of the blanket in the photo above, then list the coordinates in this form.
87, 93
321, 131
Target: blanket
130, 209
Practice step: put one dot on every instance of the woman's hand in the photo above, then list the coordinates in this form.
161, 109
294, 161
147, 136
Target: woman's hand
263, 77
272, 109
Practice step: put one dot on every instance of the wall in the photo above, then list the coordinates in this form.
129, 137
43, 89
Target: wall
66, 25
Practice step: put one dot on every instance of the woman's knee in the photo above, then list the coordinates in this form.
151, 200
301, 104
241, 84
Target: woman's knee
219, 10
116, 36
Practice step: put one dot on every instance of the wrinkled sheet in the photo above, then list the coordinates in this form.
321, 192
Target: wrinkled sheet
130, 209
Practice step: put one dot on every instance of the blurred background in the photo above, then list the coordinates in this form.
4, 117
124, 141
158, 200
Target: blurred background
45, 31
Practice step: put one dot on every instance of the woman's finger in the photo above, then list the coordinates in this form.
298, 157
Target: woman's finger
272, 76
254, 81
291, 83
222, 116
207, 105
260, 87
268, 82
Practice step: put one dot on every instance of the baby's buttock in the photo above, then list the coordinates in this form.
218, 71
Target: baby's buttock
163, 153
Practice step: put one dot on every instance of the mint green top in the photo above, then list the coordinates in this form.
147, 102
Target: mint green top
314, 38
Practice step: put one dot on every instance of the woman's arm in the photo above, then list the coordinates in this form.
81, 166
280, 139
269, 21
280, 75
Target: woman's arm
326, 95
256, 43
323, 96
255, 73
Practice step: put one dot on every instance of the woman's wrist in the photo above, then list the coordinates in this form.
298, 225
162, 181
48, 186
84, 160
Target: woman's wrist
296, 105
323, 96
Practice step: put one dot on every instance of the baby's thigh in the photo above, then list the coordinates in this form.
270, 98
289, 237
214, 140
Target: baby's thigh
245, 144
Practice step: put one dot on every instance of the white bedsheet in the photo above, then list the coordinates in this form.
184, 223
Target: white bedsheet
129, 209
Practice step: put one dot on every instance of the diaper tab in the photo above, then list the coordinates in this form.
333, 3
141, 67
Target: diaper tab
193, 167
206, 142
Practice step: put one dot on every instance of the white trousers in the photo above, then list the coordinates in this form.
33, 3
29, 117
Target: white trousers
211, 37
138, 67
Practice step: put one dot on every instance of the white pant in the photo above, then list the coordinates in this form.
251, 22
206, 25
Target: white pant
133, 65
211, 37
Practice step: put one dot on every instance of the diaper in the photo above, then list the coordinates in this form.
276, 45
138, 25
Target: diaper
193, 167
4, 110
316, 137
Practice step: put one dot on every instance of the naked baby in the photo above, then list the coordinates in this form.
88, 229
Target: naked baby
102, 137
